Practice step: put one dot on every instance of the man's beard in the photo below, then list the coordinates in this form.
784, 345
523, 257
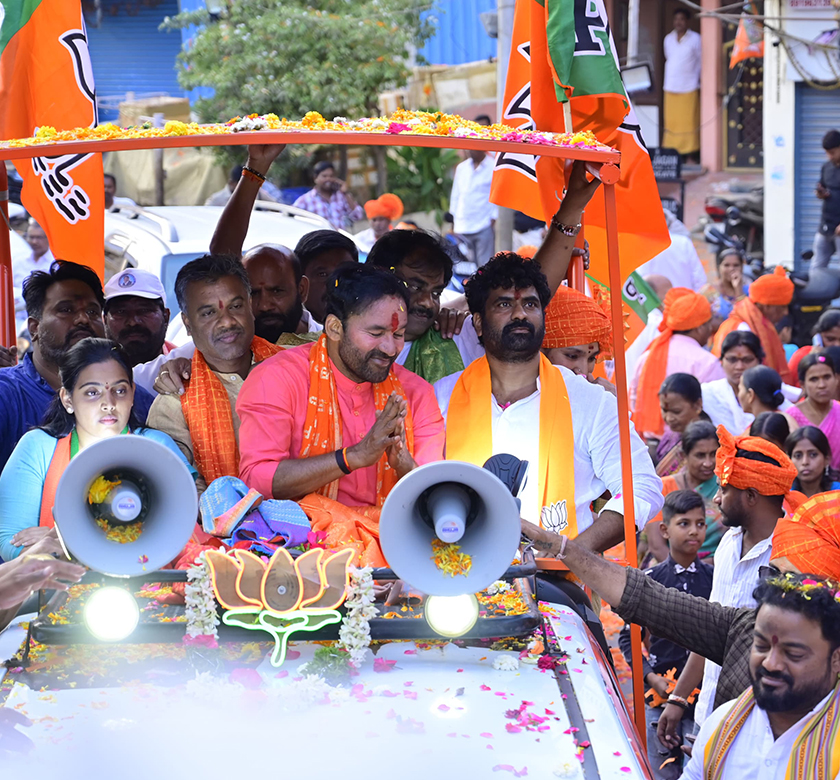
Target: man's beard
510, 346
53, 352
360, 364
789, 698
735, 518
140, 350
271, 325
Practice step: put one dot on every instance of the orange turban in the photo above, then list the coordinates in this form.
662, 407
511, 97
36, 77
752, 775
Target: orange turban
768, 479
573, 318
810, 539
386, 205
772, 289
682, 309
527, 251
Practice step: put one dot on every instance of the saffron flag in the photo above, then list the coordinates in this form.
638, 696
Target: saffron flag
749, 38
562, 50
46, 80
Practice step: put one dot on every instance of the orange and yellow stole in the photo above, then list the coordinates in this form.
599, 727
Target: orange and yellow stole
815, 754
209, 417
59, 462
469, 437
322, 427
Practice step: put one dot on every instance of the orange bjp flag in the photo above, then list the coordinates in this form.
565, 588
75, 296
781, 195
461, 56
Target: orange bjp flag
46, 80
562, 50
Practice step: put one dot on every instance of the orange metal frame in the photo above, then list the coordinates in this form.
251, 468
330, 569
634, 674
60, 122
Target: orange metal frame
602, 163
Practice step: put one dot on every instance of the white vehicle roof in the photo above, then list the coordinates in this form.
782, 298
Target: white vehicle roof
438, 711
161, 239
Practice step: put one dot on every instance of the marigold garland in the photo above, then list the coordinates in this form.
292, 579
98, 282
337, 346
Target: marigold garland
401, 122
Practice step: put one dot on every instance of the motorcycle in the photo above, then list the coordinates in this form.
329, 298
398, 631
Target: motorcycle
814, 290
741, 215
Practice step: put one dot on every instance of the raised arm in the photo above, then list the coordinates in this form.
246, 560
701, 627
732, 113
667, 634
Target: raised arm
691, 622
230, 233
556, 250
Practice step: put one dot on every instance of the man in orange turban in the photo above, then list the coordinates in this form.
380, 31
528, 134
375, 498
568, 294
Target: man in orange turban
381, 213
686, 327
809, 542
768, 302
755, 478
578, 332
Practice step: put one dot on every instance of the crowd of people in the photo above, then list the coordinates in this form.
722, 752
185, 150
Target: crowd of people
316, 378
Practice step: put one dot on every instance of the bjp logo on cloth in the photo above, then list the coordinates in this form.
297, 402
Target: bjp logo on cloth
555, 517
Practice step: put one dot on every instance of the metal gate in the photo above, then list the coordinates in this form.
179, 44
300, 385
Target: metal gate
817, 111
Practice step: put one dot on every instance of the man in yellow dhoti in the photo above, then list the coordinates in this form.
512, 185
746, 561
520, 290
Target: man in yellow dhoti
682, 87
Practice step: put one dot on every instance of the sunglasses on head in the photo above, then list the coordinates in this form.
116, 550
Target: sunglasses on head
766, 572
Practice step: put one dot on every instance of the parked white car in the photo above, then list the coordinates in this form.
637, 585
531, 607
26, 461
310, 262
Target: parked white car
162, 239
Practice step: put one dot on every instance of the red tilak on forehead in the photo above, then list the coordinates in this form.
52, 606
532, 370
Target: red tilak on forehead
517, 295
774, 640
221, 305
395, 321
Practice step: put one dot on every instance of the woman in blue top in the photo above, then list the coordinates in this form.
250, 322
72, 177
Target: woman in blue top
810, 452
94, 402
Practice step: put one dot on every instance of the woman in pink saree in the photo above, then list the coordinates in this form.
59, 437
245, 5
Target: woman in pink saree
818, 377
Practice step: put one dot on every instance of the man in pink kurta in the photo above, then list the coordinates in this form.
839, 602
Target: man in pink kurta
272, 407
338, 417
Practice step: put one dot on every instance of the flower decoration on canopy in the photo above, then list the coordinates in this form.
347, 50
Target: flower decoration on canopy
401, 122
282, 597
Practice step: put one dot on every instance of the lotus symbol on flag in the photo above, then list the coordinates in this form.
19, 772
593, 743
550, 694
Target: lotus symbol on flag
282, 597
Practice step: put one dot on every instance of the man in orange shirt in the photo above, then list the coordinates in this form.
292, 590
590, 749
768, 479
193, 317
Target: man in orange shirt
768, 302
336, 423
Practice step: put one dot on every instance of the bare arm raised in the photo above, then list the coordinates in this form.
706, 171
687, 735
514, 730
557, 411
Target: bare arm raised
230, 233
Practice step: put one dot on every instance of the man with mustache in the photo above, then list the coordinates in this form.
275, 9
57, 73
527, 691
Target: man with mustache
778, 700
755, 479
214, 294
136, 316
64, 305
336, 423
513, 400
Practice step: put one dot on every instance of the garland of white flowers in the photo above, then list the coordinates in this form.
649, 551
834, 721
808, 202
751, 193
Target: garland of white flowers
354, 634
202, 619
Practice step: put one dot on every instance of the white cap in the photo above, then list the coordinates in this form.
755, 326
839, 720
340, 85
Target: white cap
135, 281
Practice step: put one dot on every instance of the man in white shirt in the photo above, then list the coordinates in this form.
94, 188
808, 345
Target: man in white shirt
786, 724
473, 215
755, 476
682, 87
679, 263
112, 201
511, 321
40, 260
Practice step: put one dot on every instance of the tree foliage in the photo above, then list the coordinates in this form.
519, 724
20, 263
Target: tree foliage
422, 177
294, 56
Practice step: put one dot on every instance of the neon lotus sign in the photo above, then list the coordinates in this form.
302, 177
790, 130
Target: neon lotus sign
282, 597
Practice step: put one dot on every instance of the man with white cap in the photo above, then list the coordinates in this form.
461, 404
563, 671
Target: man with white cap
136, 317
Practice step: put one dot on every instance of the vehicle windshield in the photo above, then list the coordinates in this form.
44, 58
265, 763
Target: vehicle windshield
169, 267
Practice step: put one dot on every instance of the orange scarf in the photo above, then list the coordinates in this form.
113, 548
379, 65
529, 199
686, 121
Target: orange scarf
60, 461
322, 427
209, 417
683, 309
746, 311
469, 437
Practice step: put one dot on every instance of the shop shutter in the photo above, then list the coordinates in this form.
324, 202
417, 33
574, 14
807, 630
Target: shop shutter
817, 111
